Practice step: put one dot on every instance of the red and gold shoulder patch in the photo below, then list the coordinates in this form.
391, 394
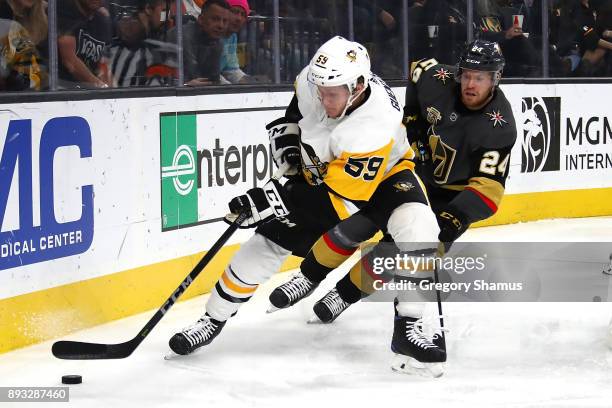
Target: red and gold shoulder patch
496, 118
442, 75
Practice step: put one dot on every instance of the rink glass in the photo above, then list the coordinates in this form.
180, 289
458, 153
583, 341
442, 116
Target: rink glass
280, 37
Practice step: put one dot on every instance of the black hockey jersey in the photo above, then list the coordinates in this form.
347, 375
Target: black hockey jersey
463, 155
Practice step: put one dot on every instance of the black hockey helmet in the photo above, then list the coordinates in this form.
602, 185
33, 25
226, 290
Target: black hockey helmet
481, 55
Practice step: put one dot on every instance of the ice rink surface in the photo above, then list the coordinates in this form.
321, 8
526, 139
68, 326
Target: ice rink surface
499, 354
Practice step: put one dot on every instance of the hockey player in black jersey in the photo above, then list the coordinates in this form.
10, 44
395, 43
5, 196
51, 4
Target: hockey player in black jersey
462, 129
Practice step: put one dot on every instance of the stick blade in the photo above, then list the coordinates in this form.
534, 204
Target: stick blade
76, 350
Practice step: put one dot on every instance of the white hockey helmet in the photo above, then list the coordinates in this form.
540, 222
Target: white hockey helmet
340, 62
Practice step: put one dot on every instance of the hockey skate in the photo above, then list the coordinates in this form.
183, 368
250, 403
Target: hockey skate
329, 307
195, 336
289, 293
415, 352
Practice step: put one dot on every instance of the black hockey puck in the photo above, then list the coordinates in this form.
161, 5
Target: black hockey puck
72, 379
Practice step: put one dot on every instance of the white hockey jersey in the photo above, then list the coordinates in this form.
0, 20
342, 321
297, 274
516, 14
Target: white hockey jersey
352, 155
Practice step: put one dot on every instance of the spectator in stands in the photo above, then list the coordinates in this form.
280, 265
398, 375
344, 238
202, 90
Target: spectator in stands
19, 68
560, 63
230, 67
32, 15
596, 39
84, 35
139, 57
493, 24
418, 46
193, 8
376, 25
449, 17
578, 33
374, 19
567, 18
202, 46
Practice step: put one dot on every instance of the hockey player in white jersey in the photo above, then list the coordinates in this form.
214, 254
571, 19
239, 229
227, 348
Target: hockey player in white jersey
343, 135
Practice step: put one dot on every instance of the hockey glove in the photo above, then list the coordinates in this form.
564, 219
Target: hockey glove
285, 144
263, 204
416, 132
453, 224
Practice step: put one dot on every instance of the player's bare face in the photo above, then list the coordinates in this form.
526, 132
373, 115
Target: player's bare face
475, 88
334, 99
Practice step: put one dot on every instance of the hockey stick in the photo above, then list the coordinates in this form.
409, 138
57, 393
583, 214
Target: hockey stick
439, 299
437, 280
76, 350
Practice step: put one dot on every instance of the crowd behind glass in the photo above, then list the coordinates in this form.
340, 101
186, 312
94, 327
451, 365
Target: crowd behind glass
70, 44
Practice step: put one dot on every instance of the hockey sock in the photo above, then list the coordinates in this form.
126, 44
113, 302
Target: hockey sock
366, 272
326, 255
228, 295
348, 291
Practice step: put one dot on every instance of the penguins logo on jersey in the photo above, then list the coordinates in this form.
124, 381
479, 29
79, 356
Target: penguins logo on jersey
313, 168
403, 186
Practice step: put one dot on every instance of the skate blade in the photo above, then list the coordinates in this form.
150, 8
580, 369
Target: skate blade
607, 271
272, 309
408, 365
171, 355
314, 320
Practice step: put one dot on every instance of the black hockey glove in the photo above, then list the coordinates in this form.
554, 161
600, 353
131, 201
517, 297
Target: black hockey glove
452, 223
263, 204
285, 144
416, 132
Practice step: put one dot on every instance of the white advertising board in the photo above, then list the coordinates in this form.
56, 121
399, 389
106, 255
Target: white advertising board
80, 183
564, 137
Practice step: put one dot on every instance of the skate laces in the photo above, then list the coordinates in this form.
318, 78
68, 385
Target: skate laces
199, 331
432, 323
297, 287
414, 333
334, 302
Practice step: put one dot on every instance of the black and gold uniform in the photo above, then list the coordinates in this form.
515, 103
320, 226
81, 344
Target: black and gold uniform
463, 155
